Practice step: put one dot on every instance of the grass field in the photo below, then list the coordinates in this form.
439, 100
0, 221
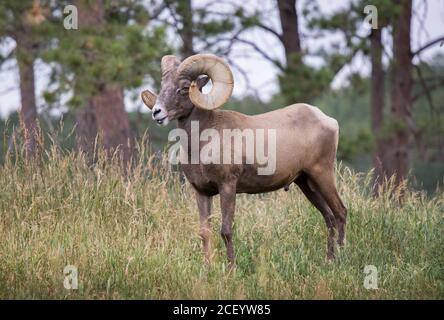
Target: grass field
136, 237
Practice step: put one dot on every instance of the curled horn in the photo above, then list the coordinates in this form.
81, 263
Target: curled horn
217, 70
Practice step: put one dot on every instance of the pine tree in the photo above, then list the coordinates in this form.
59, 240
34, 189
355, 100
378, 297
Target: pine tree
111, 51
23, 21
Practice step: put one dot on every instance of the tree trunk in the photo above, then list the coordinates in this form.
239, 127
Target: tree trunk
398, 155
294, 84
91, 13
377, 106
28, 111
106, 113
290, 30
186, 32
112, 121
86, 130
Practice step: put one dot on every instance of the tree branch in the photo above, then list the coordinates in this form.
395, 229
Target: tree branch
8, 56
7, 90
175, 19
430, 88
274, 32
158, 11
426, 89
245, 77
428, 45
262, 53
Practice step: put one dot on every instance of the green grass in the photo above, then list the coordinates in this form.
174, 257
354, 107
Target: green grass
135, 236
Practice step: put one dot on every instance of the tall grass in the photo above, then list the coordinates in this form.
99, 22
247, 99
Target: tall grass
134, 235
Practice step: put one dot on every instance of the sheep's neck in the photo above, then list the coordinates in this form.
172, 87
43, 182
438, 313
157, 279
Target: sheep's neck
202, 116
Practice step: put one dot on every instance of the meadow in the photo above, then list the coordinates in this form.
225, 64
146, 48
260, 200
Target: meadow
134, 235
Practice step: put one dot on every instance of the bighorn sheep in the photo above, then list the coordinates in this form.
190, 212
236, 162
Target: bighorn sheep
306, 144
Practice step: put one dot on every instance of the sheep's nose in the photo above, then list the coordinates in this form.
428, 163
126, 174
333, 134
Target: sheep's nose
156, 111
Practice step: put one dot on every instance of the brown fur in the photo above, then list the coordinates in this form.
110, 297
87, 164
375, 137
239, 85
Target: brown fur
306, 143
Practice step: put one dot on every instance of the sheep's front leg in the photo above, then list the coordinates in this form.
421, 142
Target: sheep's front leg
204, 205
228, 203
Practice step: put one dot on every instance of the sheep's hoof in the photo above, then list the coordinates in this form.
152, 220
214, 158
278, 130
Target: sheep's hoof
341, 243
331, 256
231, 267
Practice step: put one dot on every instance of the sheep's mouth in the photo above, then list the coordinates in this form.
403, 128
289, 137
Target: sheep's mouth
160, 121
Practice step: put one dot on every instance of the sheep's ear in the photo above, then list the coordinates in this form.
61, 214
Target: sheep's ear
201, 81
149, 98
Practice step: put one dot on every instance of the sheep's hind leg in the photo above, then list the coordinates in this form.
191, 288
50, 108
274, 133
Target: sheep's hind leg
325, 182
204, 206
318, 201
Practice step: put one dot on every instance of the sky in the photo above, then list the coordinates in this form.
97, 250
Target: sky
427, 24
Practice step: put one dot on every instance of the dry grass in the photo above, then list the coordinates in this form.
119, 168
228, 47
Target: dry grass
136, 237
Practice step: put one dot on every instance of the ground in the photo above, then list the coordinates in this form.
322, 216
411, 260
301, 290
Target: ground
136, 236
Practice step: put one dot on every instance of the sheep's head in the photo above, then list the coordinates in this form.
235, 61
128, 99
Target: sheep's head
181, 87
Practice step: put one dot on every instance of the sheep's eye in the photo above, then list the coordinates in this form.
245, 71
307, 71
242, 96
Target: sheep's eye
182, 91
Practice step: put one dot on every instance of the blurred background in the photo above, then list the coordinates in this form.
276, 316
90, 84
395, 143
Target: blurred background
384, 85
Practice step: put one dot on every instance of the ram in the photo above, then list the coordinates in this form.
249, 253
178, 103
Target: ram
306, 142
